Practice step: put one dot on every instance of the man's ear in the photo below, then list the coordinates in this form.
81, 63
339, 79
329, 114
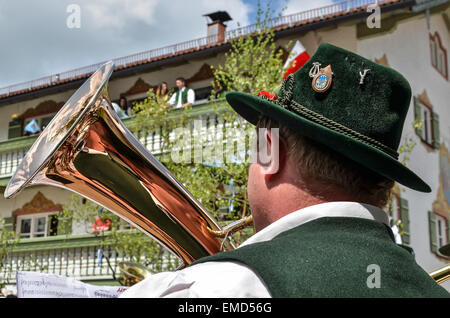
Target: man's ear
275, 152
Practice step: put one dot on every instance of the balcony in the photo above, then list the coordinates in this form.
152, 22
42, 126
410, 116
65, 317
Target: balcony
13, 150
73, 256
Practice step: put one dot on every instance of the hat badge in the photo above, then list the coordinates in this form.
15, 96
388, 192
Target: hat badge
322, 77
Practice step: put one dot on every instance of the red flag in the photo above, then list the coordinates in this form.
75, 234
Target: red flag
298, 58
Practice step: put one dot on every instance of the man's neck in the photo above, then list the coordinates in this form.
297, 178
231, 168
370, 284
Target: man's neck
329, 209
288, 198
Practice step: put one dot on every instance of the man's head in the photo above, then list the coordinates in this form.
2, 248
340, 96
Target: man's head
180, 82
345, 116
307, 173
330, 101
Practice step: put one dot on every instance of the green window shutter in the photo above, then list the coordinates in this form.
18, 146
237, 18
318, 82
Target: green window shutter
64, 226
432, 230
9, 223
404, 211
418, 116
14, 129
436, 135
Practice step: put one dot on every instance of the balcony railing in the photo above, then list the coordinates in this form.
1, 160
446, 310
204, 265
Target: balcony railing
303, 16
147, 56
75, 256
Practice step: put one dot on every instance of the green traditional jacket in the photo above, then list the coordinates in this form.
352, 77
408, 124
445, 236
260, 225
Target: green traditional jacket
335, 257
184, 98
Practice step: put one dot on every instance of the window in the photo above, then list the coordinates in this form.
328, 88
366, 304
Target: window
202, 94
37, 225
439, 231
429, 129
15, 127
426, 129
438, 55
399, 213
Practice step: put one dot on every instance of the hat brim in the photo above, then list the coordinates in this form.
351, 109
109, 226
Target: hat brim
250, 107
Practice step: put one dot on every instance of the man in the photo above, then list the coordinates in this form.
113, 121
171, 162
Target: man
316, 204
184, 96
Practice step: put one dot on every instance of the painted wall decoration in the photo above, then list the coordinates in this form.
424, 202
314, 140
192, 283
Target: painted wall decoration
442, 202
39, 204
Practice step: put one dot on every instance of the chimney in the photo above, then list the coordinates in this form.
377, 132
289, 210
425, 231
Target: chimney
217, 28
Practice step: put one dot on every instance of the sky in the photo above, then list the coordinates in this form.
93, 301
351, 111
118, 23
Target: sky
40, 38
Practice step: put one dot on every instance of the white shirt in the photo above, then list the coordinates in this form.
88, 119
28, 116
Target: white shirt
179, 104
397, 235
231, 279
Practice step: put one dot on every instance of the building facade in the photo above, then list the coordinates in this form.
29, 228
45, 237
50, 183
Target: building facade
412, 37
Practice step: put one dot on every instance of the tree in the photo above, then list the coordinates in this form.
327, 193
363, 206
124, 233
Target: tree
252, 64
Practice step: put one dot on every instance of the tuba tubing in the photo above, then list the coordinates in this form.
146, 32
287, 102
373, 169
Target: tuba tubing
88, 150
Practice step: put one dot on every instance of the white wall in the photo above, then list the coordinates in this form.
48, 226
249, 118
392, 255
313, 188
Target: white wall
408, 51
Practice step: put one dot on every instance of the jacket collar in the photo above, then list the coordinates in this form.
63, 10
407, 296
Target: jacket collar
329, 209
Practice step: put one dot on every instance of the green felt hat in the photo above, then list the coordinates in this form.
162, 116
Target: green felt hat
360, 117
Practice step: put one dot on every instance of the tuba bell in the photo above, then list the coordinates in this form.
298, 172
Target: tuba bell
88, 150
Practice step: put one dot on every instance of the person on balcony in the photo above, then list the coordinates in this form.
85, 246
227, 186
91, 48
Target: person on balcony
184, 96
123, 105
162, 92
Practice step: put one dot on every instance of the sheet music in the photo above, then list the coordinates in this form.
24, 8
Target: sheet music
39, 285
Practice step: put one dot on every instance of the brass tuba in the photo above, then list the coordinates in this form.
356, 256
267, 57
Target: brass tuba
87, 149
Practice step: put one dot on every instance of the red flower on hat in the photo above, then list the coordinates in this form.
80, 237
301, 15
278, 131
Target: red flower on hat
268, 95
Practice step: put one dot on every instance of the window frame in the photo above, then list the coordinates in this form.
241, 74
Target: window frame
34, 217
438, 240
400, 216
427, 128
441, 230
438, 51
38, 120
